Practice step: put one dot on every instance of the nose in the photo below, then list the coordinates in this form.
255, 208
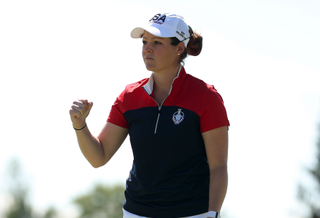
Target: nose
147, 48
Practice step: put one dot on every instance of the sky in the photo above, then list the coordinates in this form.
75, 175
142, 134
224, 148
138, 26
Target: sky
261, 56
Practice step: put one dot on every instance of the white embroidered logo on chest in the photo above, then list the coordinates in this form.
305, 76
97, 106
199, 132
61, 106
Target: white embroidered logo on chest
178, 117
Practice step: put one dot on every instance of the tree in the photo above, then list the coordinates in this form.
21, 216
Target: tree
19, 207
50, 213
18, 191
101, 202
311, 198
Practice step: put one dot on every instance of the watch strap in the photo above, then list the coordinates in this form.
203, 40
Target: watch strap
213, 214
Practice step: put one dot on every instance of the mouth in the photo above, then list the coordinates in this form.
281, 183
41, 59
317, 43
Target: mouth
148, 58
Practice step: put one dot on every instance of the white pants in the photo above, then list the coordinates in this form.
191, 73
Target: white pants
127, 214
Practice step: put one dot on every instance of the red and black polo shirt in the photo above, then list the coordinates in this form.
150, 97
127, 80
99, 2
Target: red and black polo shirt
170, 174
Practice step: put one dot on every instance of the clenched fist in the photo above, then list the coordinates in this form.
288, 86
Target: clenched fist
79, 111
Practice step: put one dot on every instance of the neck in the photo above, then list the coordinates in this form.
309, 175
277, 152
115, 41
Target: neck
163, 80
162, 83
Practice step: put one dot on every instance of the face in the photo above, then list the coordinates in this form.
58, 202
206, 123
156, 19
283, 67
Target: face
158, 53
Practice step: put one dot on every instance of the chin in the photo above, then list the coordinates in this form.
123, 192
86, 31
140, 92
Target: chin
150, 68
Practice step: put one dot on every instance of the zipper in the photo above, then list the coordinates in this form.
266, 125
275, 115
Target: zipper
159, 111
156, 127
160, 106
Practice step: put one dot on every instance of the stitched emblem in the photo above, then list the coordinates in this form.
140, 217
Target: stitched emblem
178, 117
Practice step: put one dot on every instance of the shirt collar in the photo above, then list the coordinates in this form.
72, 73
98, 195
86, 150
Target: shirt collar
149, 85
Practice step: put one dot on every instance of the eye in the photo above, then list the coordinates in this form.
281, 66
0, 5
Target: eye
157, 43
144, 42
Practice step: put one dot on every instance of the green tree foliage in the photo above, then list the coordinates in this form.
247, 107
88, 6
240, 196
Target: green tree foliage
50, 213
101, 202
18, 191
311, 196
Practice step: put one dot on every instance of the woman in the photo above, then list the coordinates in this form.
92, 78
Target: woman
178, 130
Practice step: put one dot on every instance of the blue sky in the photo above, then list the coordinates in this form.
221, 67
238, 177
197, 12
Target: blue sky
262, 56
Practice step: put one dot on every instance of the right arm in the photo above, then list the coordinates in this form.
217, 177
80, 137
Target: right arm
97, 150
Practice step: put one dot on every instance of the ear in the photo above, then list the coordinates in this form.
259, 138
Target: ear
180, 48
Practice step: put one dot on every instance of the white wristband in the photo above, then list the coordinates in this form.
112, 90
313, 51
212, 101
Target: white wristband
213, 214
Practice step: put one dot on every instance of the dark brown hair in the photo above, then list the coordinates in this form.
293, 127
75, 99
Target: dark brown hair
194, 46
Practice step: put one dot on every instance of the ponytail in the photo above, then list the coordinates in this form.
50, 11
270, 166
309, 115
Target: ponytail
194, 46
195, 43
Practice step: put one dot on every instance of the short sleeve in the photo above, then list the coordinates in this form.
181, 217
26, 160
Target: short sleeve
214, 114
116, 114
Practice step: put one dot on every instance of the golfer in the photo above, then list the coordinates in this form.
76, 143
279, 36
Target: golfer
178, 129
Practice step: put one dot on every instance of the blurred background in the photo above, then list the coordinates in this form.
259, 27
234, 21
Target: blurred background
262, 56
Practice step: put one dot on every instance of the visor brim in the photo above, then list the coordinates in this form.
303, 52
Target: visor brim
160, 32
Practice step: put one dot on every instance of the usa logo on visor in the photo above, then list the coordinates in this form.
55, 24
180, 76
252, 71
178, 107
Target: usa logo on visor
157, 19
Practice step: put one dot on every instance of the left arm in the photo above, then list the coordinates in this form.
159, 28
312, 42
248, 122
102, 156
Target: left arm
216, 144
